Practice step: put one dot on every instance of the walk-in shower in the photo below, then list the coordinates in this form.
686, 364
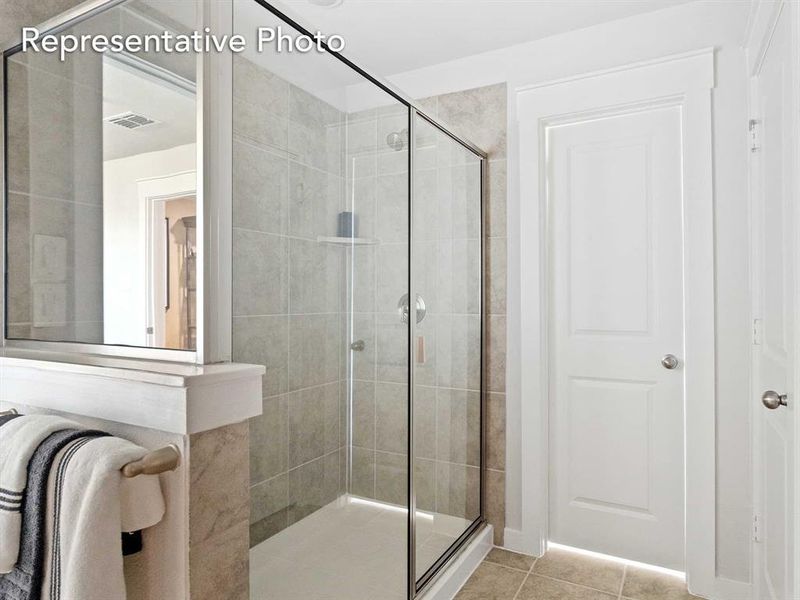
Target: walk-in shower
366, 465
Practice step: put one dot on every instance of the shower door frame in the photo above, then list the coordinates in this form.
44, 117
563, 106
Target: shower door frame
416, 587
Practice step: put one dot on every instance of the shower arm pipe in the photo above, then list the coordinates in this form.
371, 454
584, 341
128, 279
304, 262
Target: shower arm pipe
158, 461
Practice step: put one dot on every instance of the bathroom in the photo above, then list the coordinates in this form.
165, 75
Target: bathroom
214, 255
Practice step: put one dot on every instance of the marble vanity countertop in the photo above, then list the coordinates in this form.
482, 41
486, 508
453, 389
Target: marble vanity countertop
172, 397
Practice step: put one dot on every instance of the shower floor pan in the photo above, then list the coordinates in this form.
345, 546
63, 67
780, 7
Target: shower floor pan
351, 549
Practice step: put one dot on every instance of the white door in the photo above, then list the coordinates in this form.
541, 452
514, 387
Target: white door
616, 413
775, 238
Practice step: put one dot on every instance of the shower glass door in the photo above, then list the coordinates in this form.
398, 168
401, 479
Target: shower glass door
320, 263
357, 284
446, 344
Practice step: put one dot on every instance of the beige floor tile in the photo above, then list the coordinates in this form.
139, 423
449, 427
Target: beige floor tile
592, 572
544, 588
515, 560
641, 584
492, 582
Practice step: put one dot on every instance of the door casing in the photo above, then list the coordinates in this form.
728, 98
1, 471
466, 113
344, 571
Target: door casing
686, 81
764, 19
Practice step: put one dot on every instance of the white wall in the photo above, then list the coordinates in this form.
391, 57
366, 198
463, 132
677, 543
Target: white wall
687, 27
124, 268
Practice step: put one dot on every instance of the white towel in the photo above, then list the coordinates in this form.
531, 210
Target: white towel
89, 505
19, 438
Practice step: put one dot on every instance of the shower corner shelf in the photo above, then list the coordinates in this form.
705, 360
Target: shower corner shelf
346, 241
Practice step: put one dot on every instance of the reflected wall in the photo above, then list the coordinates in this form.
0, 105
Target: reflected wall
94, 145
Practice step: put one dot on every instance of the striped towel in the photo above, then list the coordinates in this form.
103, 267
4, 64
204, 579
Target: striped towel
19, 439
24, 582
89, 504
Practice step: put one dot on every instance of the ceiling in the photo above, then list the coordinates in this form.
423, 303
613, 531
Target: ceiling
392, 36
129, 89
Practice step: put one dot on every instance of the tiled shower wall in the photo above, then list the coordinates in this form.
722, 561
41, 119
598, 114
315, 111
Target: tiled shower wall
288, 292
480, 115
291, 307
378, 194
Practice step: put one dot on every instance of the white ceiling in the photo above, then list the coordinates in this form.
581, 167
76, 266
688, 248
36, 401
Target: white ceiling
126, 89
392, 36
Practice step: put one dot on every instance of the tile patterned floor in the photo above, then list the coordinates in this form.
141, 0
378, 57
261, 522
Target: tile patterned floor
564, 575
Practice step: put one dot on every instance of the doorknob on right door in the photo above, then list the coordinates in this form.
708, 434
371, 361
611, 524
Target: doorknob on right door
773, 400
669, 361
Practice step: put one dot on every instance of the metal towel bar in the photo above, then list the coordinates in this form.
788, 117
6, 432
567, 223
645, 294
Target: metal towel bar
158, 461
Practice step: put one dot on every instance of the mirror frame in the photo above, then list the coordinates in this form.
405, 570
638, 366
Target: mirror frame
214, 81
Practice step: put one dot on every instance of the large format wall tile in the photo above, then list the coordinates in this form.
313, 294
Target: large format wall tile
480, 115
260, 87
269, 440
391, 197
391, 417
391, 348
363, 361
260, 273
289, 291
496, 225
458, 433
313, 485
313, 423
392, 276
264, 341
458, 351
391, 478
258, 126
425, 422
363, 472
315, 277
260, 189
269, 508
315, 199
313, 350
364, 414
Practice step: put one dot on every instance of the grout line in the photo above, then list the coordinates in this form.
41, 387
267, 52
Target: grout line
491, 562
622, 582
521, 585
580, 585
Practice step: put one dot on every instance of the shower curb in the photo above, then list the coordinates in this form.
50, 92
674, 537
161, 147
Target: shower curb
453, 578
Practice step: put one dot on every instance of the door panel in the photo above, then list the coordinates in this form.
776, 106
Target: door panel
774, 273
617, 466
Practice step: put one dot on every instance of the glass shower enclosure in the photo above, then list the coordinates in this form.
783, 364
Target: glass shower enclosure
349, 202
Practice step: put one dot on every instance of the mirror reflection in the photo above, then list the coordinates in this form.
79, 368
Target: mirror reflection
101, 189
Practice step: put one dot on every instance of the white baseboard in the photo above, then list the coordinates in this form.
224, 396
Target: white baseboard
517, 541
456, 575
729, 589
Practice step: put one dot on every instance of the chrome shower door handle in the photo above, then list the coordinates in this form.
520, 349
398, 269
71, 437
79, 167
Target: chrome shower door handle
773, 400
402, 308
669, 361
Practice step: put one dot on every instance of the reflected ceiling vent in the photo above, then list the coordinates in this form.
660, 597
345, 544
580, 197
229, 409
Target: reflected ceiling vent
130, 120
